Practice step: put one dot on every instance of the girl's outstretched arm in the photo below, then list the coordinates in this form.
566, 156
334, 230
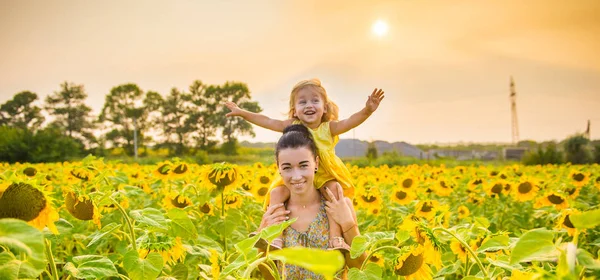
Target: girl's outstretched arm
256, 118
359, 117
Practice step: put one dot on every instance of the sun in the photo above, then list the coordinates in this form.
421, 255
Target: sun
380, 28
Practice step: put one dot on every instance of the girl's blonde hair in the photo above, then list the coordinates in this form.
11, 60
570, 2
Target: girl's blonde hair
331, 109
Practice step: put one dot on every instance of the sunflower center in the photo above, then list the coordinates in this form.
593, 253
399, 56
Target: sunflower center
571, 191
262, 191
443, 184
401, 195
598, 179
176, 203
180, 169
497, 188
82, 210
525, 187
205, 208
427, 207
374, 258
164, 169
477, 182
30, 171
578, 177
567, 222
407, 183
369, 199
231, 201
410, 265
21, 201
264, 180
503, 176
555, 199
246, 187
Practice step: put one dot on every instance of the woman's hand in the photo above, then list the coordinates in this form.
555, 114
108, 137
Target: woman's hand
235, 110
340, 209
275, 214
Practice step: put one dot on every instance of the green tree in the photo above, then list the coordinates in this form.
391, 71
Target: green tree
231, 127
71, 114
175, 112
20, 112
203, 122
45, 145
577, 150
371, 151
124, 111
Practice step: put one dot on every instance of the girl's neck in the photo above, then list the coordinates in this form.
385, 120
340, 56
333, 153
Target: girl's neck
303, 200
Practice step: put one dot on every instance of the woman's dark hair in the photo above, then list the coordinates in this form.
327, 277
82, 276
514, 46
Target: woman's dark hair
295, 136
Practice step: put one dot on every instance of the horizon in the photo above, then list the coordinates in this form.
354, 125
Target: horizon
445, 67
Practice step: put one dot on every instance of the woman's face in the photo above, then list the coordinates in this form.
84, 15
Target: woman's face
297, 168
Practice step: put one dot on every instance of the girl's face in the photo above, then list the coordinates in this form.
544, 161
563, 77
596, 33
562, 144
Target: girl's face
309, 107
297, 168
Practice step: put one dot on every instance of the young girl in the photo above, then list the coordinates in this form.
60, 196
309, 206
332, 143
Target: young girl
310, 106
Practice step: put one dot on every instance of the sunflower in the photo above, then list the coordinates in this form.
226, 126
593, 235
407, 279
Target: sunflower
555, 199
459, 250
409, 182
402, 196
426, 209
564, 221
597, 182
463, 212
260, 193
495, 188
369, 199
206, 208
163, 170
525, 190
25, 202
474, 184
170, 248
174, 200
82, 208
377, 259
223, 177
578, 178
412, 264
443, 187
232, 200
180, 170
82, 173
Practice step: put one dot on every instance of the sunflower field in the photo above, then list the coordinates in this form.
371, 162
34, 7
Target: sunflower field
175, 220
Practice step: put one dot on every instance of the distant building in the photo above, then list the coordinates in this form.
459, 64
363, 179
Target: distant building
514, 153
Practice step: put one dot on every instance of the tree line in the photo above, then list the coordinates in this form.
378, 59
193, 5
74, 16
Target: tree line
184, 121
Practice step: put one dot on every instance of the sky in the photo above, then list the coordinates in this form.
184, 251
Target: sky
445, 66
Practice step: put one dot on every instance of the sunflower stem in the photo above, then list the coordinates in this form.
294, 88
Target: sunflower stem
466, 246
467, 266
378, 249
51, 259
129, 224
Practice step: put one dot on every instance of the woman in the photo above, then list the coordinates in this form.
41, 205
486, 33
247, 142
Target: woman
297, 161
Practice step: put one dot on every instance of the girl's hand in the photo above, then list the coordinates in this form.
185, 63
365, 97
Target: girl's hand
235, 110
374, 100
339, 209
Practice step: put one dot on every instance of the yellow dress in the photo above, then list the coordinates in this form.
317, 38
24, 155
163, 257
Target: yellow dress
331, 166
